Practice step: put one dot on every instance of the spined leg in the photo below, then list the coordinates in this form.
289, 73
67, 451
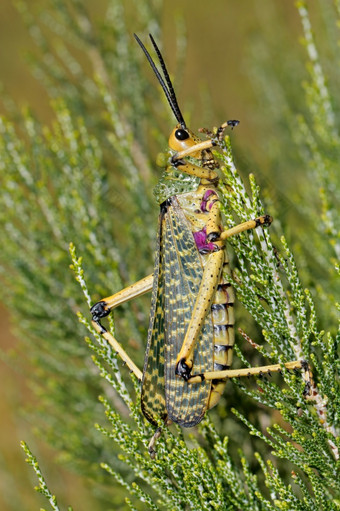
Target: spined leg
246, 371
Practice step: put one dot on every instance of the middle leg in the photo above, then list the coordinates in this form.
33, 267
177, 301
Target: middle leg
245, 226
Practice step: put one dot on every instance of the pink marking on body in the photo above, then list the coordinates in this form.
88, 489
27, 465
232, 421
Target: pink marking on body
200, 238
205, 199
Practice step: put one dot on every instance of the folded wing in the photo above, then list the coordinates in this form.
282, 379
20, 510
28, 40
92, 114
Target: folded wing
177, 277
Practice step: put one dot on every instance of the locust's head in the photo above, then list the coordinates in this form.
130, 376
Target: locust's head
173, 181
181, 138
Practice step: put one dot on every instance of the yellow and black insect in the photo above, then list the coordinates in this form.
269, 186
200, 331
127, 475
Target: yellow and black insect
191, 330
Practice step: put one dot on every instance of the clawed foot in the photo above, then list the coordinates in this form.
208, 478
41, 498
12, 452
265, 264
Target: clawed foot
263, 220
99, 311
183, 370
217, 136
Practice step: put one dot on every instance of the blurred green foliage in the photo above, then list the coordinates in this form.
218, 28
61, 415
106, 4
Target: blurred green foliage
87, 178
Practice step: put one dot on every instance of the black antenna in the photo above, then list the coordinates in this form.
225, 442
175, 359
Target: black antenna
168, 89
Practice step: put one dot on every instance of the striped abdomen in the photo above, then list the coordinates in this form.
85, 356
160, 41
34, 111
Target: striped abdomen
222, 313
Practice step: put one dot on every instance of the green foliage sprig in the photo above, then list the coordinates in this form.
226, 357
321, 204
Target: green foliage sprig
42, 488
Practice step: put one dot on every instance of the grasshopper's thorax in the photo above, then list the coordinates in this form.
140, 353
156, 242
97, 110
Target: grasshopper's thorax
174, 182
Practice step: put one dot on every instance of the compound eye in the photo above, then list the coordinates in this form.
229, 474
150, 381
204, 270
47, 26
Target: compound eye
181, 134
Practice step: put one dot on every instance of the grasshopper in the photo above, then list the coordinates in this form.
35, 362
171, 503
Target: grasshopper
191, 330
